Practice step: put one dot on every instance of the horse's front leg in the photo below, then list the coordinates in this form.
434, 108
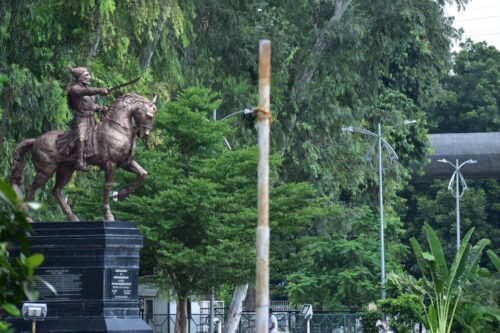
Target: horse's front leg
133, 167
109, 171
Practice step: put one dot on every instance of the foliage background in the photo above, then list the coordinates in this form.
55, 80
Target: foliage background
334, 63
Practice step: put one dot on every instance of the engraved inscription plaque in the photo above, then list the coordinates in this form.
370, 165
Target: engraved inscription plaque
121, 283
67, 282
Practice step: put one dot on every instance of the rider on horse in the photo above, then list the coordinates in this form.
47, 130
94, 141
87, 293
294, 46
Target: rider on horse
81, 100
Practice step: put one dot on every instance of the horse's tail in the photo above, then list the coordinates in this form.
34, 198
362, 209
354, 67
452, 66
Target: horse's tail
18, 157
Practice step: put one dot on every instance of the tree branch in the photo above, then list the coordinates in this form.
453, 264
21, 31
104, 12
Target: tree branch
6, 115
148, 51
94, 45
310, 65
236, 308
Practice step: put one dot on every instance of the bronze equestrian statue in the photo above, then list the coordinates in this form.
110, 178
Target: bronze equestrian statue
110, 144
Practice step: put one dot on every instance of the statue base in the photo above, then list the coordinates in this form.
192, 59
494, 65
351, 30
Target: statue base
94, 267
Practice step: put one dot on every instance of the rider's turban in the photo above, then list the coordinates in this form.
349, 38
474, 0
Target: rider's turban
78, 71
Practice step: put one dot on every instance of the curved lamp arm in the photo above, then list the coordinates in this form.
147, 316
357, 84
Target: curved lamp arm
245, 111
359, 130
443, 160
392, 154
403, 123
390, 150
467, 162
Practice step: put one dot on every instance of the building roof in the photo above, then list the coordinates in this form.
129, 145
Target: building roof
482, 147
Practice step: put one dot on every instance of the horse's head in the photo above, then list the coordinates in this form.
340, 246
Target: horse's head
143, 116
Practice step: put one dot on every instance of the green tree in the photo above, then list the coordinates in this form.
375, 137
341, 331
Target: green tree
338, 266
197, 209
335, 63
470, 99
363, 62
437, 208
353, 55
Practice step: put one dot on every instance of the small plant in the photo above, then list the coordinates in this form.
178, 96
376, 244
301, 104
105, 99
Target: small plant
402, 312
369, 320
441, 286
17, 280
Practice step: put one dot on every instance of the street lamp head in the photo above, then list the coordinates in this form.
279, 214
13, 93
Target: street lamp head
471, 161
245, 112
348, 129
403, 123
443, 160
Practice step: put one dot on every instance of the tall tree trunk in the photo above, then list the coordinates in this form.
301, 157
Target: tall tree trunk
310, 60
236, 308
5, 116
94, 45
181, 320
150, 48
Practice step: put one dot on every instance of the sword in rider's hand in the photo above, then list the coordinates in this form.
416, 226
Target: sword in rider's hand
118, 87
124, 84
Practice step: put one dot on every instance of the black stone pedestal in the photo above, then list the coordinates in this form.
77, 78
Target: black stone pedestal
94, 267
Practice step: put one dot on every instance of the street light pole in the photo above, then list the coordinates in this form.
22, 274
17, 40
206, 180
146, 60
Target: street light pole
381, 204
457, 204
459, 179
381, 142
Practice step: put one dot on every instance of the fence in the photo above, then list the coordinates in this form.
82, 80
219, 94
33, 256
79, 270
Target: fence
290, 322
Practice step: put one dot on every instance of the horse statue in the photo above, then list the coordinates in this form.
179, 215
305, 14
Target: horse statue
111, 145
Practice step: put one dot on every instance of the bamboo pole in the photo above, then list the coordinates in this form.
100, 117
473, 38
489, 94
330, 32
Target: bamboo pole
264, 124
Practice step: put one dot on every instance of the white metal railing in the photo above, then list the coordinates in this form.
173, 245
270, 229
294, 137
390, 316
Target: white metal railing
281, 306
